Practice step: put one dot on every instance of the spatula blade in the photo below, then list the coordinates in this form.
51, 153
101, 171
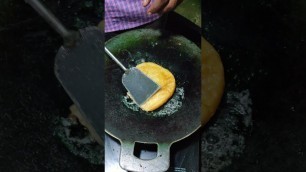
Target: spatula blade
139, 86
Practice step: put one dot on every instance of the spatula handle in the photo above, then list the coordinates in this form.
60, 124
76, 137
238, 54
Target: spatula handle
115, 59
49, 17
68, 36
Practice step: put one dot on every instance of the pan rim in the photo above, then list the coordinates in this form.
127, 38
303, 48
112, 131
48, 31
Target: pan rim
172, 139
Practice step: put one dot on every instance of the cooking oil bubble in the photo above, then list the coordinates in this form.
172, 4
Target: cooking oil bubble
81, 142
172, 106
212, 139
225, 139
139, 61
132, 63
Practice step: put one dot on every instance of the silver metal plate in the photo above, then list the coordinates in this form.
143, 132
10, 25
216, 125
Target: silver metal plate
139, 86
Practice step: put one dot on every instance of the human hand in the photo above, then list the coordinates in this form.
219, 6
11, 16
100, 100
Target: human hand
161, 6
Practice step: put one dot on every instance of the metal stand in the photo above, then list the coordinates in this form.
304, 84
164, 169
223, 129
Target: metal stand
184, 155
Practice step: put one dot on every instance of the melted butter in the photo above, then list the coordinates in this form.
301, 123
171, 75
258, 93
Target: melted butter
172, 106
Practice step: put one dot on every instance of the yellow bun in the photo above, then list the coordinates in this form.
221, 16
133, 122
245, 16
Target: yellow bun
212, 81
164, 79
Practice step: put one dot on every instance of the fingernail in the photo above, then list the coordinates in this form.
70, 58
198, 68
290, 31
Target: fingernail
144, 2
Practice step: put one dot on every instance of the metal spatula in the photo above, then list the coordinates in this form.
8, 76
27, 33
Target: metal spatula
79, 67
139, 86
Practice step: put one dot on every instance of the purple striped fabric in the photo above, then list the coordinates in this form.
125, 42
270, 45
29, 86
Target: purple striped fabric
126, 14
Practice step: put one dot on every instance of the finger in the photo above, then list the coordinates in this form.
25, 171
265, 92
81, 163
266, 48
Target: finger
157, 6
170, 6
146, 2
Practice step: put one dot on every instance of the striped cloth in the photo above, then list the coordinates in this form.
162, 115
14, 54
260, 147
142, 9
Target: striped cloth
125, 14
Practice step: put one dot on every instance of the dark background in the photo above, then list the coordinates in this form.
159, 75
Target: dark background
263, 43
30, 95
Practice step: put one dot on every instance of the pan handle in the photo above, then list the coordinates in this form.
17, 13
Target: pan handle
131, 163
70, 37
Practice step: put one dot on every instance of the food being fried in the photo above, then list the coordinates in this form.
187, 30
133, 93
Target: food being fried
212, 81
164, 78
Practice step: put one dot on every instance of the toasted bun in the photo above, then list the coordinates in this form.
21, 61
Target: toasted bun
164, 79
212, 81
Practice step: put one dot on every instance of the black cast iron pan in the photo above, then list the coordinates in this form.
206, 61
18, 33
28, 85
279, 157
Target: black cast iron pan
263, 49
79, 67
182, 58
